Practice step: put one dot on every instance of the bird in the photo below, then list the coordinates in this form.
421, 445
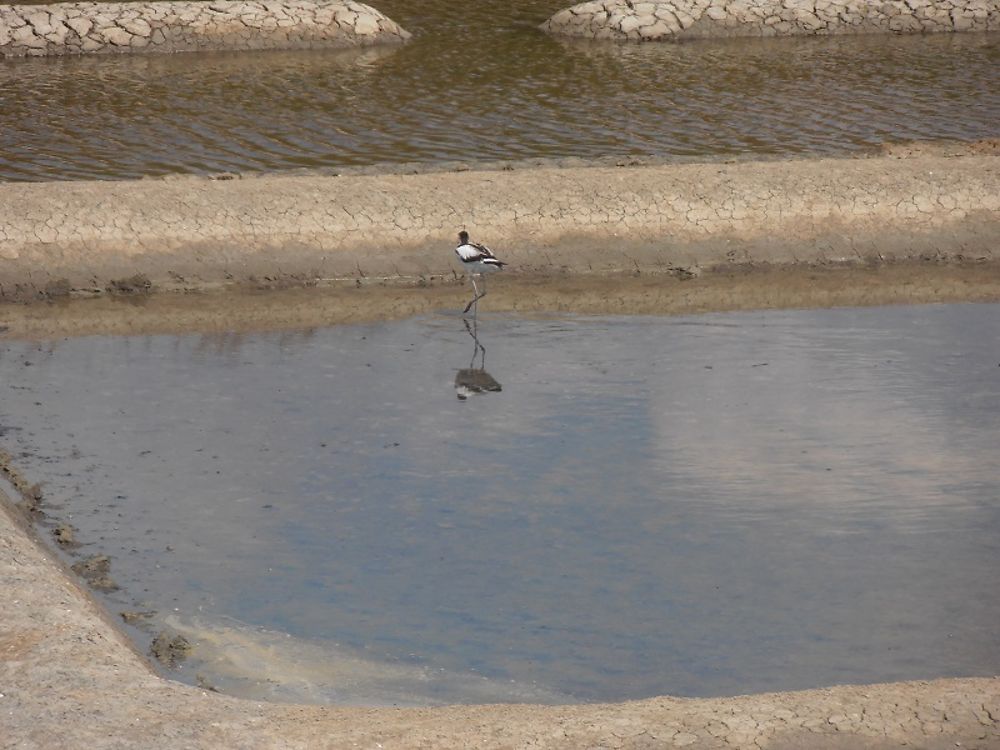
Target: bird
477, 260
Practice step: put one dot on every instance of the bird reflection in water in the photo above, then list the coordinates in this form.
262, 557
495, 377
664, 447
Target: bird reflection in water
472, 379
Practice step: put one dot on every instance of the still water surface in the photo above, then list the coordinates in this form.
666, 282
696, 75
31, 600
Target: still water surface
480, 82
699, 505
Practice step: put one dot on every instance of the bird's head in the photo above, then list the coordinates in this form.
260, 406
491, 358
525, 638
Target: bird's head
463, 237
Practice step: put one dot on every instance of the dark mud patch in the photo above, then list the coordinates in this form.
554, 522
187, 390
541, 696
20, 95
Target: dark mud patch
133, 285
57, 289
31, 494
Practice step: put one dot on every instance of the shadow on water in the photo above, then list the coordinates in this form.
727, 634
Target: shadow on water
703, 505
479, 81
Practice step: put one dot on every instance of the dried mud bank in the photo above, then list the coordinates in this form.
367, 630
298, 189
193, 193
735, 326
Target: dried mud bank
180, 26
658, 20
71, 679
75, 238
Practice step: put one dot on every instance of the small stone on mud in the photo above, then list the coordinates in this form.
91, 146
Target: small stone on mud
103, 583
135, 617
169, 651
64, 536
98, 565
94, 570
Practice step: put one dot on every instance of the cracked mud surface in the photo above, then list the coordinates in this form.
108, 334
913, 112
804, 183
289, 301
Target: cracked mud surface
679, 19
116, 28
195, 234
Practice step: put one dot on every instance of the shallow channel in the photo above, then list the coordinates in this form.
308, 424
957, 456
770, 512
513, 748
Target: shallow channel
631, 506
478, 82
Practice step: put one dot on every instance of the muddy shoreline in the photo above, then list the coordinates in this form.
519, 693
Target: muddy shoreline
246, 308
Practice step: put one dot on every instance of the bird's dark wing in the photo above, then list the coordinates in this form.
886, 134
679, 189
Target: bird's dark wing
471, 252
486, 252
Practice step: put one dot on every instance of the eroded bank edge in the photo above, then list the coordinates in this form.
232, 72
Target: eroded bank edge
252, 308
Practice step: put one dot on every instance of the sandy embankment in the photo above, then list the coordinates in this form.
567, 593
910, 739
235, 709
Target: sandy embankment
653, 239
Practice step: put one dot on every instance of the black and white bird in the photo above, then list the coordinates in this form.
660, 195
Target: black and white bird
477, 260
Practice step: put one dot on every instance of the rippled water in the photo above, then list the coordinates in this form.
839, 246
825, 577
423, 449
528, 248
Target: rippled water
701, 505
480, 82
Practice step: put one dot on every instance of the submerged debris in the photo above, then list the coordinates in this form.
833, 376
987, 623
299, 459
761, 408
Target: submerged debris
64, 536
31, 494
136, 617
205, 684
169, 650
95, 571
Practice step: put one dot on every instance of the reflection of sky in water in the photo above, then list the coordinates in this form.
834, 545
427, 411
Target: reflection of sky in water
701, 505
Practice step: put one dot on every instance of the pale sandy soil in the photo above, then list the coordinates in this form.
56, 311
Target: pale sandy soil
78, 238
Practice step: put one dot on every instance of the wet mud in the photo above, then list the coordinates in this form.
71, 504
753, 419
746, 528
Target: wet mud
738, 287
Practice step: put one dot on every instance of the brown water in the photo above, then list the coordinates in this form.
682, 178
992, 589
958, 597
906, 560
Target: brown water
699, 505
480, 82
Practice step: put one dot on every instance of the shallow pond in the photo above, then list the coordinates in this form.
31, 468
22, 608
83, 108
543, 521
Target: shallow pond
702, 505
479, 81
